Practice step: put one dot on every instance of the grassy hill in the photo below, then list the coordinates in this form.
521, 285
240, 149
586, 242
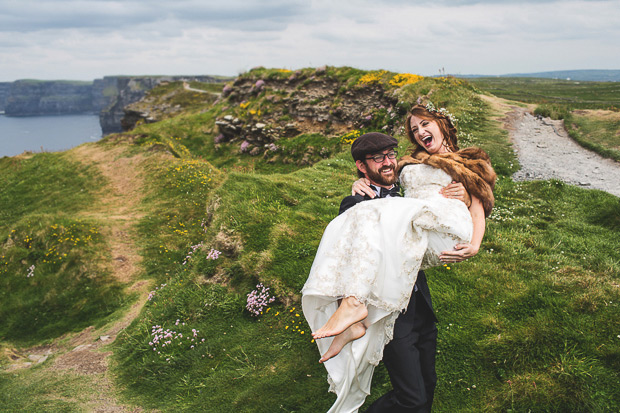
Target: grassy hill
528, 324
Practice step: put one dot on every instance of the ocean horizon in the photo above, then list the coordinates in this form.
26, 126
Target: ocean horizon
46, 133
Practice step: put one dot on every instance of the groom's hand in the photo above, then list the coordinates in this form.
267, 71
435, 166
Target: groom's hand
456, 190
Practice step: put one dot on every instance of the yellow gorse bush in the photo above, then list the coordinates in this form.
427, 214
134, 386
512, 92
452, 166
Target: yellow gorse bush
350, 137
372, 77
403, 79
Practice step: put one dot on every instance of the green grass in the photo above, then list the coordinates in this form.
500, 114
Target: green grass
40, 390
45, 182
51, 281
597, 132
572, 94
175, 201
540, 300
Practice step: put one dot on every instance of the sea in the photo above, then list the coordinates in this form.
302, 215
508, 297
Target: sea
46, 133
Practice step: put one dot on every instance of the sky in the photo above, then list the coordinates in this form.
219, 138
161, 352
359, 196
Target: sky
89, 39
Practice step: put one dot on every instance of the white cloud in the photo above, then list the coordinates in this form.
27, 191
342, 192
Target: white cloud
88, 39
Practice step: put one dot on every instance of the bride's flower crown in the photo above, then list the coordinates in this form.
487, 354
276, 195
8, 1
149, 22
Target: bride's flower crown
442, 111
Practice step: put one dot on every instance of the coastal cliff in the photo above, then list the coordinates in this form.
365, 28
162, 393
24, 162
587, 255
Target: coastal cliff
35, 97
4, 94
128, 90
107, 96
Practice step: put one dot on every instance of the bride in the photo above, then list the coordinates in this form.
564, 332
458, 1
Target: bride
369, 256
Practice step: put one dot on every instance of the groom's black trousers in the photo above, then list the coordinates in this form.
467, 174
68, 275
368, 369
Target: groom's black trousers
410, 361
410, 356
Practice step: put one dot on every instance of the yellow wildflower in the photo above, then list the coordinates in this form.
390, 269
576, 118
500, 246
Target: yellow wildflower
403, 79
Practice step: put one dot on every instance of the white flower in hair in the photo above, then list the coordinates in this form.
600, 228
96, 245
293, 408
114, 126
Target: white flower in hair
443, 111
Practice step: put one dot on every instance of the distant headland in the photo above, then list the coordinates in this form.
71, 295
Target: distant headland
593, 75
106, 97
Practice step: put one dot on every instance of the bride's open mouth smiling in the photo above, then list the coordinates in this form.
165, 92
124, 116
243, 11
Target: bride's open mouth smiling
427, 140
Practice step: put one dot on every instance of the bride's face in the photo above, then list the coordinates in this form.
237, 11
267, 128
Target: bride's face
428, 135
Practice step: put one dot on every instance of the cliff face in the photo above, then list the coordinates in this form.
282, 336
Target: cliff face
4, 94
104, 92
106, 97
130, 90
169, 99
31, 98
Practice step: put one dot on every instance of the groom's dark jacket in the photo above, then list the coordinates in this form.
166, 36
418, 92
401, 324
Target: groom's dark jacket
422, 285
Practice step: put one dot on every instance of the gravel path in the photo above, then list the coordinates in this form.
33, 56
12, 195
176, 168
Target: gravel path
545, 151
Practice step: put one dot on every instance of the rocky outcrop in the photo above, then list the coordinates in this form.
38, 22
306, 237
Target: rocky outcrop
33, 97
302, 102
255, 133
131, 90
168, 100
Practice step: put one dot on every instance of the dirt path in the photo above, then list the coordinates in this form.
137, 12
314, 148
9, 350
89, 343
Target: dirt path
545, 151
119, 204
118, 209
186, 86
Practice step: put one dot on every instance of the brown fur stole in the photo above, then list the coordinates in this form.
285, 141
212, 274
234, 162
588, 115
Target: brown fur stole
469, 166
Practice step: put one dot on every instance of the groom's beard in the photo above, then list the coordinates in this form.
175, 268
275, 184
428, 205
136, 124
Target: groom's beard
381, 179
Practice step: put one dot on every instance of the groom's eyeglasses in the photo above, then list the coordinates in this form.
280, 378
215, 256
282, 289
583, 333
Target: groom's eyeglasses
381, 157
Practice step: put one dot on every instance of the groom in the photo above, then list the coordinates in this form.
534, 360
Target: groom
410, 356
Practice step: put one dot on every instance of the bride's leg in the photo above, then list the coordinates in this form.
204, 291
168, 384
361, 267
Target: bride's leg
350, 311
354, 332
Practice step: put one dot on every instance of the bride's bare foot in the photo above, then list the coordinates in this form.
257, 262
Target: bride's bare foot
354, 332
351, 311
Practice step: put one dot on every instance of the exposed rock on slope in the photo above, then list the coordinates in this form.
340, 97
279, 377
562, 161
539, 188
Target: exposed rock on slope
302, 102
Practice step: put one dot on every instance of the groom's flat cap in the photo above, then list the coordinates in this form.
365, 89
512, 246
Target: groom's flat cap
372, 142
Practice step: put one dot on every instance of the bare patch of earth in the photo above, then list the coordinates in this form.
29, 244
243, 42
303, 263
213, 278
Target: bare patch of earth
118, 204
545, 151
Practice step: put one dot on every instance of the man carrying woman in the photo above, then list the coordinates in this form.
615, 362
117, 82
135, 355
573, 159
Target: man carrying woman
370, 256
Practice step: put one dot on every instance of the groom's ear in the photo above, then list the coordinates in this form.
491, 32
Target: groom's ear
361, 166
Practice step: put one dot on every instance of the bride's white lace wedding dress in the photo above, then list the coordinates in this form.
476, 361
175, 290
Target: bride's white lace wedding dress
373, 251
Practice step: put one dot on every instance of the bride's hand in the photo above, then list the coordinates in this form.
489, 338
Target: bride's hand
362, 187
456, 190
460, 253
